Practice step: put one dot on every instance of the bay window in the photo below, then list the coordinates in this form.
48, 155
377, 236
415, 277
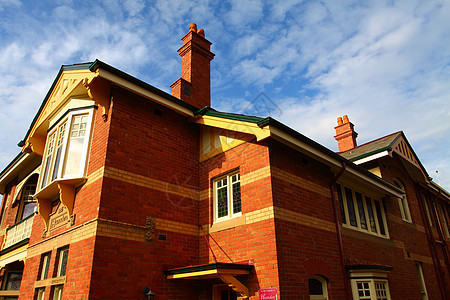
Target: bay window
66, 151
361, 212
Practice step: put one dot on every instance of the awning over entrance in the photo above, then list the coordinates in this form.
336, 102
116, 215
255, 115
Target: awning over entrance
208, 271
225, 271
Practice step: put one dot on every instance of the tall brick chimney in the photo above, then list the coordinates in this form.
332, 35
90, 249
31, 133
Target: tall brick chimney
345, 134
194, 86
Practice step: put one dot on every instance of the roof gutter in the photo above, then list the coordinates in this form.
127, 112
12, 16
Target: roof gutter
284, 133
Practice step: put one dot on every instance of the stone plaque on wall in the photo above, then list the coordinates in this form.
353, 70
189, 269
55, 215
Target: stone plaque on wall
59, 218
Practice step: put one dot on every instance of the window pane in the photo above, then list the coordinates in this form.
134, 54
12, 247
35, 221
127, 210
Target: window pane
315, 287
50, 146
28, 209
47, 167
45, 266
372, 223
380, 289
362, 214
236, 194
379, 217
13, 281
41, 294
62, 262
350, 207
75, 146
59, 145
222, 202
363, 290
444, 220
341, 204
57, 293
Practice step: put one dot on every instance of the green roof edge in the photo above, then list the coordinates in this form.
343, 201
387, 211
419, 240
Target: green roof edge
231, 116
98, 64
12, 163
325, 150
370, 153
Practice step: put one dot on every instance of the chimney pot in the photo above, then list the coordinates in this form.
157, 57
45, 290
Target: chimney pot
201, 33
339, 121
193, 27
346, 119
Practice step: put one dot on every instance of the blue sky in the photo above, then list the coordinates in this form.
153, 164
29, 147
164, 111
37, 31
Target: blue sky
386, 64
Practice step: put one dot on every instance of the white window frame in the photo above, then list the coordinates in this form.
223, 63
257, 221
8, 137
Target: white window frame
45, 266
229, 190
403, 203
358, 226
57, 292
64, 155
323, 281
427, 210
41, 293
61, 253
370, 281
423, 287
443, 216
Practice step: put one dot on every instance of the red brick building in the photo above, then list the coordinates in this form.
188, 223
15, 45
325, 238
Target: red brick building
121, 187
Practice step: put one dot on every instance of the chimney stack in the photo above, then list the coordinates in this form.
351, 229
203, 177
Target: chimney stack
194, 86
345, 134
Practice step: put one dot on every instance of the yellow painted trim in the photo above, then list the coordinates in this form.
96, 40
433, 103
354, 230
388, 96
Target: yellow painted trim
144, 92
67, 196
9, 293
305, 220
151, 183
225, 147
301, 182
70, 83
192, 274
234, 125
13, 252
208, 273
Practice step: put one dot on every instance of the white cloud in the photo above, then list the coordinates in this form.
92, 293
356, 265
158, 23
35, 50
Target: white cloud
9, 3
385, 64
244, 12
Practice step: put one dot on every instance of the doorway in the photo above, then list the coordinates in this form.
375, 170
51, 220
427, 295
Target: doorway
224, 292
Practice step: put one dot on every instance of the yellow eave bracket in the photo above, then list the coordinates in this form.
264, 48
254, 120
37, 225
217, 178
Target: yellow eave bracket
234, 125
235, 284
66, 191
67, 196
99, 90
35, 144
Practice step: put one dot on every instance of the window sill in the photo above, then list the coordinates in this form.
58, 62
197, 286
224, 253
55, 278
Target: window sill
9, 293
50, 281
354, 233
227, 224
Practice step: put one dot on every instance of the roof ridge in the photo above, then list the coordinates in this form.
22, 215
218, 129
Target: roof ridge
375, 140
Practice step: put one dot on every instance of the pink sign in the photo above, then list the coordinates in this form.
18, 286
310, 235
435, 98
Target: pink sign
268, 294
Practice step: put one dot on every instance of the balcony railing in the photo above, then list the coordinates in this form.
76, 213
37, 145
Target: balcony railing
19, 231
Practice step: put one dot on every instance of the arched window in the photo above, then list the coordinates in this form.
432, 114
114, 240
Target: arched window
27, 203
318, 288
403, 202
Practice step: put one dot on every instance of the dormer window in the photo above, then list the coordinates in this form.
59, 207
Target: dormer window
66, 151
